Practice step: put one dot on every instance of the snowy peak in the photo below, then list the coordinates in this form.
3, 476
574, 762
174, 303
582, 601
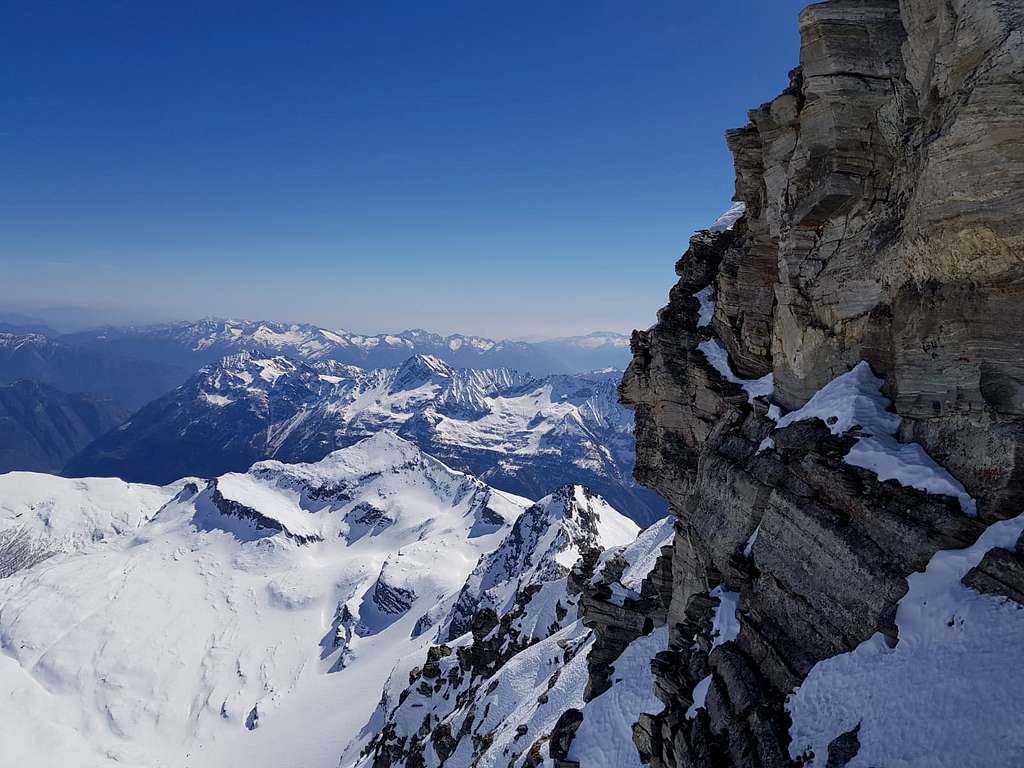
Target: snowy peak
550, 536
543, 545
419, 370
195, 343
253, 602
584, 521
372, 483
554, 658
267, 369
381, 452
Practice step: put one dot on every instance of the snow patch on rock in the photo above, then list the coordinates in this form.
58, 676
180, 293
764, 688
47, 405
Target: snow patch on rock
948, 694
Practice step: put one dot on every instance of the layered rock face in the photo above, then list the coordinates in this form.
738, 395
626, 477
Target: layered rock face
884, 193
883, 190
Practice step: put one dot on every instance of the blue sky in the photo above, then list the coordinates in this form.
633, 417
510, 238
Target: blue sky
510, 169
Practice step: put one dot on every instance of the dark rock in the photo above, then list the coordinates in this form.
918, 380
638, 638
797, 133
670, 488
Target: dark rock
233, 508
1001, 572
844, 748
563, 733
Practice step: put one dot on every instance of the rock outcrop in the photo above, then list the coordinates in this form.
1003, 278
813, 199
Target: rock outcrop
884, 193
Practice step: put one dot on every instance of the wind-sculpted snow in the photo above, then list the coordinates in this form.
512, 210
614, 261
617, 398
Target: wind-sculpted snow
160, 630
42, 515
946, 696
527, 436
853, 401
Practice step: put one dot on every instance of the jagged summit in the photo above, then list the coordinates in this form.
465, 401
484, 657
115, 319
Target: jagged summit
201, 342
545, 542
380, 451
420, 369
532, 682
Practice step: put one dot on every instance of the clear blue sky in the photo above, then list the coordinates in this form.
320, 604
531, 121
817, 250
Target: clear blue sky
511, 169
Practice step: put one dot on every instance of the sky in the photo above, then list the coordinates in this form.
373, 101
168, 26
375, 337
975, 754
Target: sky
522, 169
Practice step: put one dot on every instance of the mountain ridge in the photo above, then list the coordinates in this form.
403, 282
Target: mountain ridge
42, 427
187, 343
522, 434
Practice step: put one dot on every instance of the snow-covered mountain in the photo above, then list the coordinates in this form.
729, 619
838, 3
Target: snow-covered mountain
545, 542
524, 435
193, 344
253, 619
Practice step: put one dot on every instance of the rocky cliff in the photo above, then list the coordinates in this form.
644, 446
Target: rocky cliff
833, 400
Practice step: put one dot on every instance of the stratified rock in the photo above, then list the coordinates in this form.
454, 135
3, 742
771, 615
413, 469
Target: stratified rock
1001, 572
884, 198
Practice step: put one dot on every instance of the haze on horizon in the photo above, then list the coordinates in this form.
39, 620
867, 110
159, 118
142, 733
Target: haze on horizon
525, 171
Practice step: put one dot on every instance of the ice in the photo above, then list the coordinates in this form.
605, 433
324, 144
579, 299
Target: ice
726, 625
699, 695
749, 546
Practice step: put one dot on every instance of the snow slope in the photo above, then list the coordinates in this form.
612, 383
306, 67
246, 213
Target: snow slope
42, 515
198, 624
912, 709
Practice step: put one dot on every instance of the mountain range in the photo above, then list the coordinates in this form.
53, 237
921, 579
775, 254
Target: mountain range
832, 402
129, 382
133, 365
521, 434
194, 344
